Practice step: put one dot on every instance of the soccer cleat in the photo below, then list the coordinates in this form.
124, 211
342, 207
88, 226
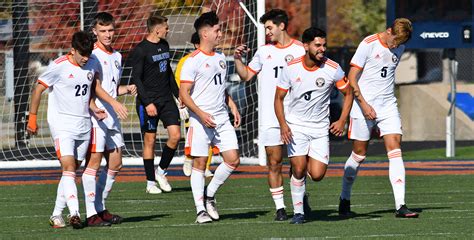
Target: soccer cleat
211, 208
153, 190
345, 208
306, 207
57, 221
111, 218
96, 221
75, 221
203, 217
404, 212
297, 219
163, 182
208, 173
281, 215
187, 167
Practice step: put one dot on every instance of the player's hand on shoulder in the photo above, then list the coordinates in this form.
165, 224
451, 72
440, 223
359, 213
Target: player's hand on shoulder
240, 51
286, 135
151, 110
99, 114
337, 128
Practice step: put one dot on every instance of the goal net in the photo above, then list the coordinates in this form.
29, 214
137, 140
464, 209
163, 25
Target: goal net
34, 32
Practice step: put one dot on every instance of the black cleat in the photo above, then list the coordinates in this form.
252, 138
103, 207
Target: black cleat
96, 221
306, 208
75, 222
345, 208
404, 212
297, 219
281, 215
111, 218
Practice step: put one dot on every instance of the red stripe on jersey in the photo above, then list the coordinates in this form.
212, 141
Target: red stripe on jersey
331, 63
253, 71
342, 83
42, 83
371, 38
356, 66
382, 43
296, 60
280, 88
296, 42
186, 81
189, 137
93, 142
96, 45
279, 46
58, 149
60, 59
196, 52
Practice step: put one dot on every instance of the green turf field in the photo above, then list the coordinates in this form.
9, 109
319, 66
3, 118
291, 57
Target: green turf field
446, 204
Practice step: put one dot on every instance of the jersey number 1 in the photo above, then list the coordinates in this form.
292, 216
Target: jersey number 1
218, 79
276, 70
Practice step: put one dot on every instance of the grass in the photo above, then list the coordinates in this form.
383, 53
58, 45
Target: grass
445, 202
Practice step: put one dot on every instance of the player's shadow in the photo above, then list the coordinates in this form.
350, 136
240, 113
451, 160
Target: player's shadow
182, 189
247, 215
333, 215
418, 210
145, 218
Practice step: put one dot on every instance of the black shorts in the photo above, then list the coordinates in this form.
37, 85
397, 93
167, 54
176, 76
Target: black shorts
168, 113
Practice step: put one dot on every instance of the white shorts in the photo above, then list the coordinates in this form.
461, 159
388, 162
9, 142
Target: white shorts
270, 136
67, 146
199, 138
306, 143
105, 139
361, 128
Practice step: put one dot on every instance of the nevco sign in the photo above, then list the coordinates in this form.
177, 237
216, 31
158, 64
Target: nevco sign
426, 35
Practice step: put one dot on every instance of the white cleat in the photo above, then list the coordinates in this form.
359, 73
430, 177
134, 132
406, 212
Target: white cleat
57, 221
163, 182
208, 173
153, 190
211, 208
187, 167
203, 217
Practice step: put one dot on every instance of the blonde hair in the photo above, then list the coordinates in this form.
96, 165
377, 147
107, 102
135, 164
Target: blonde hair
402, 30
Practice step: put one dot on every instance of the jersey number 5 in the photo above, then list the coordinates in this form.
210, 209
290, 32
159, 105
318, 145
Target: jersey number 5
78, 90
383, 72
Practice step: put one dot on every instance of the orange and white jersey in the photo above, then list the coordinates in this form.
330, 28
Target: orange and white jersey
69, 94
377, 81
111, 66
309, 92
207, 73
268, 63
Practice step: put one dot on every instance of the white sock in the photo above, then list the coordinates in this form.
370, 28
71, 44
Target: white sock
298, 188
60, 203
221, 174
160, 171
277, 195
70, 192
350, 173
89, 184
99, 190
111, 174
150, 183
197, 186
396, 173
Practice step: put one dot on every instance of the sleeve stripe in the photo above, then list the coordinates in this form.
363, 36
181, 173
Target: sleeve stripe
253, 71
356, 66
42, 83
283, 89
186, 81
341, 84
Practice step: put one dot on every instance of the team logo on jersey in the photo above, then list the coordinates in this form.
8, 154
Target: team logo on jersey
222, 64
117, 64
394, 58
90, 75
320, 82
289, 58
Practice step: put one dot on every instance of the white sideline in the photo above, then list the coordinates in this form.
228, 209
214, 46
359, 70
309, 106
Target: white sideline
127, 161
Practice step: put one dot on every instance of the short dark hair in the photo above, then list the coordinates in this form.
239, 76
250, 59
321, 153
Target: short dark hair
155, 20
83, 43
311, 33
103, 19
277, 16
195, 38
206, 19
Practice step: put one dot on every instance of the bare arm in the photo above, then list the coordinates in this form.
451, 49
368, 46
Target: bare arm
337, 128
285, 130
127, 89
102, 94
367, 110
244, 73
32, 126
206, 118
233, 109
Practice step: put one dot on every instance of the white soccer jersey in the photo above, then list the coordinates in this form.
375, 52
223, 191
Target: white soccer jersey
208, 74
268, 62
310, 91
377, 80
69, 94
111, 66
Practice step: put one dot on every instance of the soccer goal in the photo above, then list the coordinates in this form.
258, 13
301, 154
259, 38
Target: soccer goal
37, 32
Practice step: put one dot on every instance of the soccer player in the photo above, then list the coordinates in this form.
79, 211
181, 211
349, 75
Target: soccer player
203, 91
106, 136
372, 76
268, 62
309, 81
153, 76
70, 80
